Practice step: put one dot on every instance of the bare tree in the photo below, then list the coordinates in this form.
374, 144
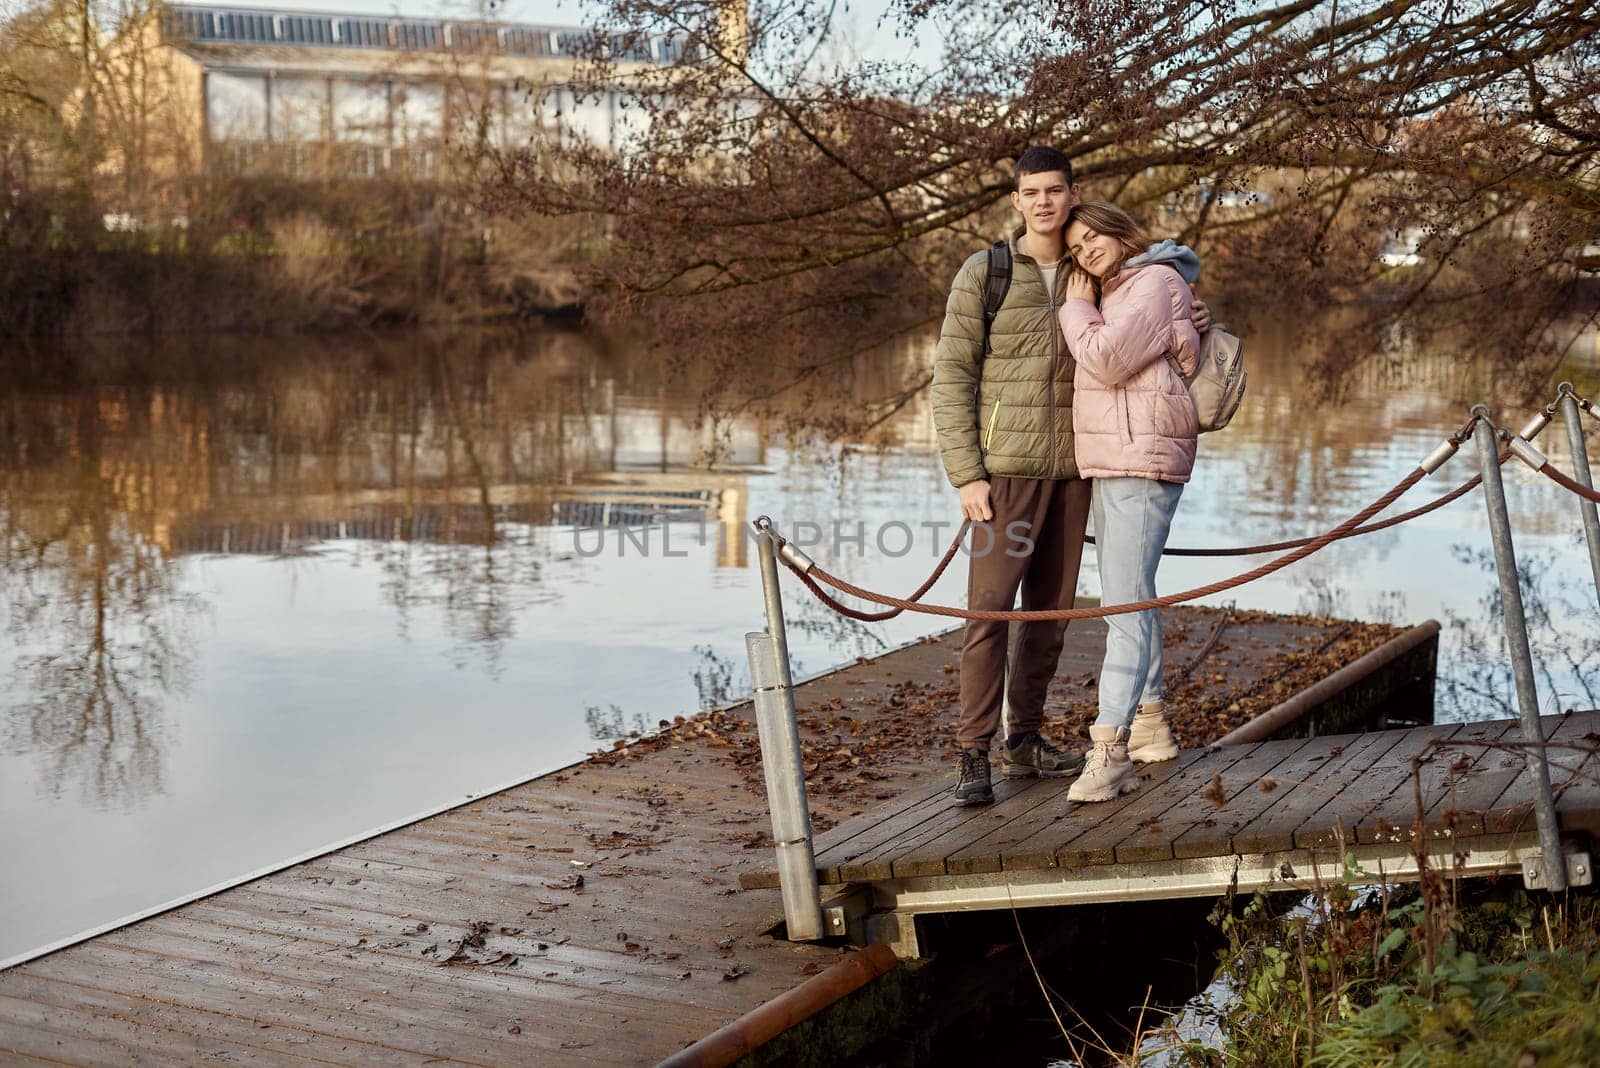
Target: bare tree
782, 208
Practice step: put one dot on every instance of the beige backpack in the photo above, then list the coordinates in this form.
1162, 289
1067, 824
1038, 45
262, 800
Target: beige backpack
1217, 385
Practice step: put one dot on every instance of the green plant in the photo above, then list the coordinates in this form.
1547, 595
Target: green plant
1411, 977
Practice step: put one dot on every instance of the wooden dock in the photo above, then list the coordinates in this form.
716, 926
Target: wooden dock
1279, 814
595, 916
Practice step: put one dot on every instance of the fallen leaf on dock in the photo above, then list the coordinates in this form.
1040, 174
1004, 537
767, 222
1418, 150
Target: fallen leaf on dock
571, 882
734, 973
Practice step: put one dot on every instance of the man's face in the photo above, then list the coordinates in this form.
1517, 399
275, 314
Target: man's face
1043, 199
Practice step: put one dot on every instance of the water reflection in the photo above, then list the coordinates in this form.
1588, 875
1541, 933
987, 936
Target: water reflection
100, 632
444, 465
1566, 651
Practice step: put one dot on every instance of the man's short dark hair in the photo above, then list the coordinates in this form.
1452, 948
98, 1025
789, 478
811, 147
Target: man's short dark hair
1042, 158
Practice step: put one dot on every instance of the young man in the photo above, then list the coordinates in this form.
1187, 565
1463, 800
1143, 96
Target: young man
1004, 421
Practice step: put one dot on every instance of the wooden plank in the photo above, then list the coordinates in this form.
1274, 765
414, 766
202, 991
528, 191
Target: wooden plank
1468, 796
1002, 848
1152, 838
1029, 843
937, 785
1393, 817
1578, 805
651, 987
76, 1035
831, 845
1196, 832
839, 864
923, 853
123, 1016
903, 856
1512, 812
1273, 830
601, 957
873, 853
647, 982
1477, 757
375, 1032
1339, 817
1075, 846
57, 1036
690, 932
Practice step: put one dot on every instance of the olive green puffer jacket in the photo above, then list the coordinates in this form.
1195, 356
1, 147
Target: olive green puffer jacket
1021, 425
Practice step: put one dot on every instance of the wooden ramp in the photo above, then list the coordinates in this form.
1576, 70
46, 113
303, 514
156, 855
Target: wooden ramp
1277, 814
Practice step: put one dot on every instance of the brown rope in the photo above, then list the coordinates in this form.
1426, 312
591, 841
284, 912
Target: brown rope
1567, 482
1372, 528
1343, 530
878, 617
1393, 521
1247, 550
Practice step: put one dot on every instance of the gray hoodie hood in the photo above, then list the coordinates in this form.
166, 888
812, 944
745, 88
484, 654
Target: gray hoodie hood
1180, 258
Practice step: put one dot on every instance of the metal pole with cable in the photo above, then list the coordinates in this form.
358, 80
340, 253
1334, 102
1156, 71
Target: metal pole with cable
780, 752
1552, 863
1567, 401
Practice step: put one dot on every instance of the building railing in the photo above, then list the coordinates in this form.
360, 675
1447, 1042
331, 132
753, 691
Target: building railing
208, 25
324, 160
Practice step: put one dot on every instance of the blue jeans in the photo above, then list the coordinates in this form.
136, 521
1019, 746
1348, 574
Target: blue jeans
1132, 517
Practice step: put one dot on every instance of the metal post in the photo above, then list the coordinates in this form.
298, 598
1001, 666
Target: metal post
1552, 862
780, 757
1570, 415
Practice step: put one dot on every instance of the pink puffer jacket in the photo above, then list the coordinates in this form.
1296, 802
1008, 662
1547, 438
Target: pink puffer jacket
1131, 413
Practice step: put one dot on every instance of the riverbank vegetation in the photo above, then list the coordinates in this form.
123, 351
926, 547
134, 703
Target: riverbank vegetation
115, 219
265, 254
1459, 975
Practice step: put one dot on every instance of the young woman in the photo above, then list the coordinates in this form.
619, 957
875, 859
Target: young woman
1126, 318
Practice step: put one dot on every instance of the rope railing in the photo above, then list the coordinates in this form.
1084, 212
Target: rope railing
1515, 444
1520, 446
1533, 429
1041, 615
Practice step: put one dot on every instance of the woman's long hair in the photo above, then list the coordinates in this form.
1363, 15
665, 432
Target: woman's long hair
1110, 221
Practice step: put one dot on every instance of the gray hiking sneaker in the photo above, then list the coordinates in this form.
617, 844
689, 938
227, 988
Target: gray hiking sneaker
972, 782
1032, 755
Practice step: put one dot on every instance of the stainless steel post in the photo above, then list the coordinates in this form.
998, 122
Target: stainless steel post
781, 758
1580, 471
1552, 862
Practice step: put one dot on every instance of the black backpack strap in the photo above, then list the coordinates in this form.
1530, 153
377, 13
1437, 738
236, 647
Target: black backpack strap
995, 286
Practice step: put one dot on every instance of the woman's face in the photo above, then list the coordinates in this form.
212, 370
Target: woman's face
1094, 252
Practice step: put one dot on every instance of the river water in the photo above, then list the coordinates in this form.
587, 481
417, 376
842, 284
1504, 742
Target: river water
261, 597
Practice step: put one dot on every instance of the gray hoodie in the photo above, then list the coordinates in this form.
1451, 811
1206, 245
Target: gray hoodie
1180, 258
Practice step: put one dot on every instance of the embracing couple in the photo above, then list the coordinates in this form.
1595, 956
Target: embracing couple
1063, 401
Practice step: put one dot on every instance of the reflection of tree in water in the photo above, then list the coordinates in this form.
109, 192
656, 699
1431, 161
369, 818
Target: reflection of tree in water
84, 575
478, 588
613, 723
1563, 633
479, 574
1321, 596
804, 614
713, 677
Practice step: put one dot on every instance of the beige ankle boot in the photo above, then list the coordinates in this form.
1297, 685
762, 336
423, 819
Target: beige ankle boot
1107, 771
1150, 740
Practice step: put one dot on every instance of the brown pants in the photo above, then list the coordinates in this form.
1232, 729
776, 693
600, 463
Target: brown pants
1053, 514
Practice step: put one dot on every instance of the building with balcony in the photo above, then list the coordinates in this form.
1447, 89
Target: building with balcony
324, 94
